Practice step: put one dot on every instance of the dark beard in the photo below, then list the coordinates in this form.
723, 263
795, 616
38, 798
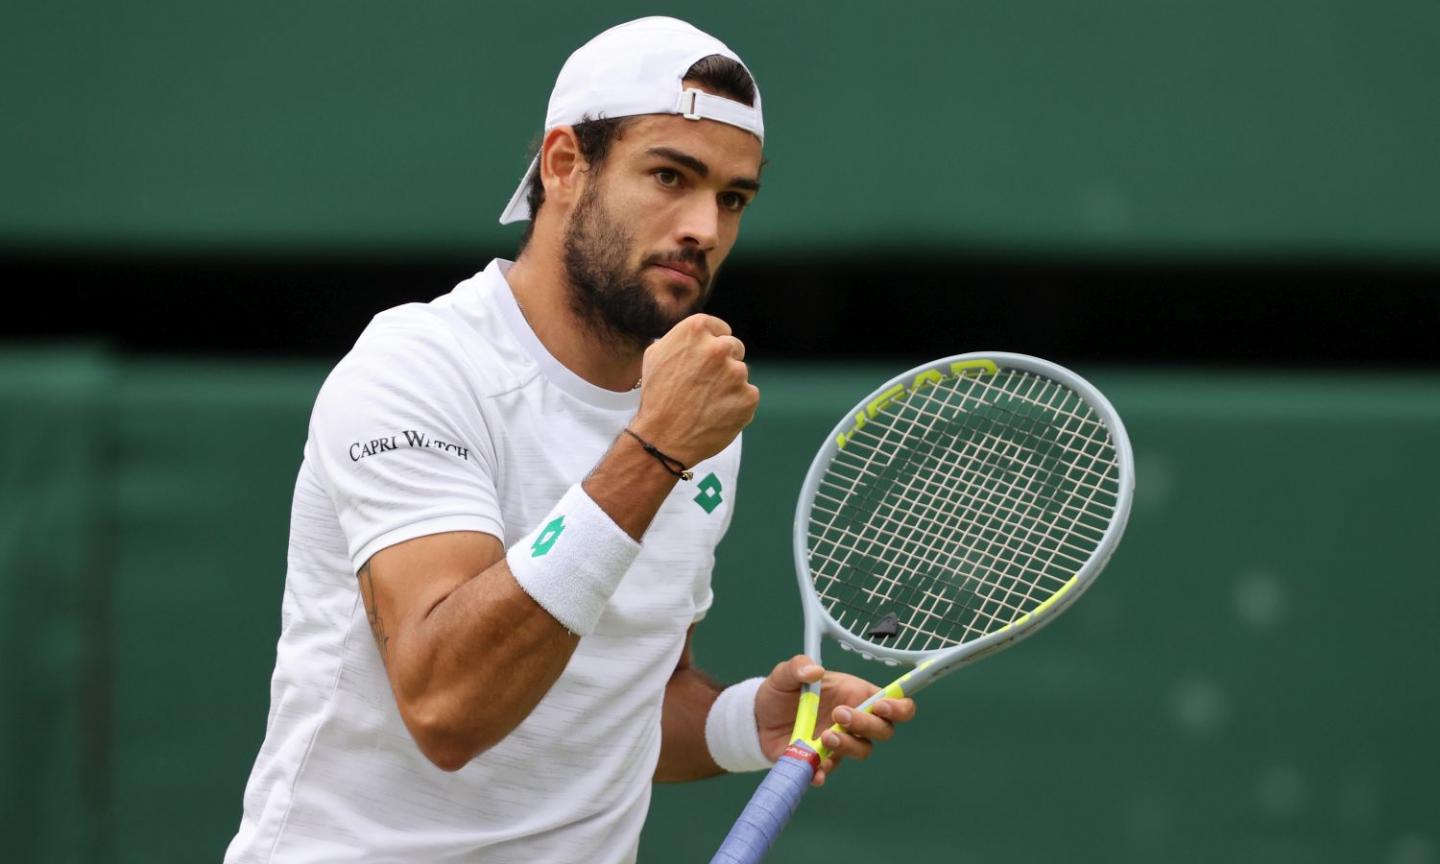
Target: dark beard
611, 300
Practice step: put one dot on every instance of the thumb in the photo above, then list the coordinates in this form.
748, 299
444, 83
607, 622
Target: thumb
793, 674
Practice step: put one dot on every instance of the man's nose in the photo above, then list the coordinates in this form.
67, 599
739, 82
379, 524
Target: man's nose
699, 223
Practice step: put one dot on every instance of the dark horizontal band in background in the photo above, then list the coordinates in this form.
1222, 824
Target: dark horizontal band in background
1216, 313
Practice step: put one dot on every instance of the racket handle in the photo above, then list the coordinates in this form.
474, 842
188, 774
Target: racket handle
770, 807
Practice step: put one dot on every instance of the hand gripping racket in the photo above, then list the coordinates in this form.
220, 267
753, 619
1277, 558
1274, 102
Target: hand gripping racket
953, 512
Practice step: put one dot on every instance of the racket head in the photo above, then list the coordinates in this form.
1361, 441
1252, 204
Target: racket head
999, 484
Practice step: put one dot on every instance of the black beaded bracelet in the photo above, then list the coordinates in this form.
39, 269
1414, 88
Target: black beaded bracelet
674, 466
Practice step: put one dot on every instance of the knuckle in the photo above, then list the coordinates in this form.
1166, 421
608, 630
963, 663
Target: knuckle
708, 324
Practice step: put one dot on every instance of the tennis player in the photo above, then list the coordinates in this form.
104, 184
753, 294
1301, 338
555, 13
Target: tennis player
504, 527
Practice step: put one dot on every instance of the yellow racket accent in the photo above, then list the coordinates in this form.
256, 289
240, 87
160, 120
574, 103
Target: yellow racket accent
1040, 610
897, 392
805, 717
974, 367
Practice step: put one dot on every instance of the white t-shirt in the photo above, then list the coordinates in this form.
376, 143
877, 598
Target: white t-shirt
451, 416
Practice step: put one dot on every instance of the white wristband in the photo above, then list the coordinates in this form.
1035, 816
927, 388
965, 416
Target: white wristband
730, 730
573, 561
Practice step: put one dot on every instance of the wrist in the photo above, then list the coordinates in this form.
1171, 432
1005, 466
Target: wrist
673, 466
573, 561
661, 435
731, 733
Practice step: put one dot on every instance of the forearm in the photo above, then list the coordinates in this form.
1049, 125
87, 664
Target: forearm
684, 754
629, 485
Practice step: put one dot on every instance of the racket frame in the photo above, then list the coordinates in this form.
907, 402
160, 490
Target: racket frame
930, 666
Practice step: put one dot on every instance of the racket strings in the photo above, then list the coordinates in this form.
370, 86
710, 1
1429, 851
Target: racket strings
987, 550
1003, 597
927, 535
994, 602
962, 508
993, 607
936, 486
1091, 474
990, 607
1093, 453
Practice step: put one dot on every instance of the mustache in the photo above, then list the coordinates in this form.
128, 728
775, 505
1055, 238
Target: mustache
684, 255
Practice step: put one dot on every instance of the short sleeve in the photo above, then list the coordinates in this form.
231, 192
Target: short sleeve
400, 442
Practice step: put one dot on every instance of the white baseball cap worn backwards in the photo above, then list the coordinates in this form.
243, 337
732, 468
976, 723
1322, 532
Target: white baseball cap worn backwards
637, 68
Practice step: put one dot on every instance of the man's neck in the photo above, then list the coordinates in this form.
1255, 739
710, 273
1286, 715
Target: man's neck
543, 293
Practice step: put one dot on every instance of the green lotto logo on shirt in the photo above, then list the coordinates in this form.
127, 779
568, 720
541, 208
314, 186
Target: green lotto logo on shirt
548, 535
709, 497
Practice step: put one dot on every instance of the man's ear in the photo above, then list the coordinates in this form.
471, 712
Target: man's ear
561, 167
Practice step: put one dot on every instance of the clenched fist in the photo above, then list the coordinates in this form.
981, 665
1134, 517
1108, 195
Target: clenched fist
696, 394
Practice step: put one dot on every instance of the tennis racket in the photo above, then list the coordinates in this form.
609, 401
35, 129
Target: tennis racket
956, 510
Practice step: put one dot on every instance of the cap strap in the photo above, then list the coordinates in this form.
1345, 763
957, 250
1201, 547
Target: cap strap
695, 104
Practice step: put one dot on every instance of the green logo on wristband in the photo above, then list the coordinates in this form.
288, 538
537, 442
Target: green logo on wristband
709, 497
547, 537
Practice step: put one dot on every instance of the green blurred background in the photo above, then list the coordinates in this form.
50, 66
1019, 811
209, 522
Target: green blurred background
1253, 679
1217, 126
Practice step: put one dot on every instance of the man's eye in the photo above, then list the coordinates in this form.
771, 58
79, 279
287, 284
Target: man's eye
667, 177
733, 201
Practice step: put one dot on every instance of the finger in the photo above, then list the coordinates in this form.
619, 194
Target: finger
827, 766
895, 710
734, 346
752, 399
794, 673
864, 725
845, 744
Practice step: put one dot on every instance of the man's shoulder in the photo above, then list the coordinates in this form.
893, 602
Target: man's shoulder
410, 327
433, 344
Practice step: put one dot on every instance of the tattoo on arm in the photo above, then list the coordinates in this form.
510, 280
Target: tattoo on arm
372, 611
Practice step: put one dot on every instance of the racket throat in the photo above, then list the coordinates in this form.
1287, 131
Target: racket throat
806, 715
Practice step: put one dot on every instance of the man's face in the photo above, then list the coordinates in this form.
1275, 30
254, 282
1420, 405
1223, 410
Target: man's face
652, 227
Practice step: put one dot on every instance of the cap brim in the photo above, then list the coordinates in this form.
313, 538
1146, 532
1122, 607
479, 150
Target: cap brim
518, 210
